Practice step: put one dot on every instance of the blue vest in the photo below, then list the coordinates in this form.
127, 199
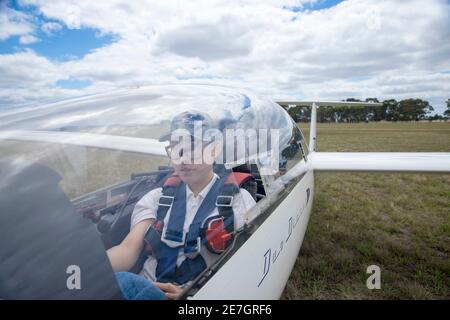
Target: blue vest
166, 256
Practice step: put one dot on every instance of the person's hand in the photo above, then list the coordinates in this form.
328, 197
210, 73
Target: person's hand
172, 291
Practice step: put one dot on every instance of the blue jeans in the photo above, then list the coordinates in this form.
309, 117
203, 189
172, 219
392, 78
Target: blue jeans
135, 287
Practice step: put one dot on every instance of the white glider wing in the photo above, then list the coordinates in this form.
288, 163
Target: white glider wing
381, 161
327, 103
102, 141
367, 161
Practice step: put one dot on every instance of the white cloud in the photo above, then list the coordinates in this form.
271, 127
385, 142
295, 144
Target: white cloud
13, 23
226, 39
50, 27
27, 39
27, 70
359, 48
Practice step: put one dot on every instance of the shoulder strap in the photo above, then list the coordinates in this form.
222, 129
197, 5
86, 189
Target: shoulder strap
173, 232
205, 209
168, 195
225, 200
220, 196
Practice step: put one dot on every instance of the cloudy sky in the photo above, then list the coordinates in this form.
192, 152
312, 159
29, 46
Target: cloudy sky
302, 49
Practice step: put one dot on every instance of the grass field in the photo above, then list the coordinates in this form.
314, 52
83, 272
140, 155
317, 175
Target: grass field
400, 222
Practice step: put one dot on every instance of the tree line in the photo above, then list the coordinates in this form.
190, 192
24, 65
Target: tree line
389, 110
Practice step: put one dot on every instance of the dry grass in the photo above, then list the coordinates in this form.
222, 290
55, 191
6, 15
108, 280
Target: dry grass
400, 222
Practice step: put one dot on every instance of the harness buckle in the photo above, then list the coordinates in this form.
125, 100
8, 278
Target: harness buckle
194, 253
167, 201
224, 201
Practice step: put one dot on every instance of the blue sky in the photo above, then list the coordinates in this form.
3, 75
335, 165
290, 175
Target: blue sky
322, 4
319, 5
55, 49
67, 44
61, 45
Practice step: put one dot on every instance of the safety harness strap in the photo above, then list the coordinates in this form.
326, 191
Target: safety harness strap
168, 195
168, 255
174, 196
224, 201
192, 245
174, 229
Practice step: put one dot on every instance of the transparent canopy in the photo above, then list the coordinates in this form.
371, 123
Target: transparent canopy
130, 112
99, 156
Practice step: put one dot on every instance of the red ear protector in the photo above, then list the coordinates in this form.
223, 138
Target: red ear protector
217, 237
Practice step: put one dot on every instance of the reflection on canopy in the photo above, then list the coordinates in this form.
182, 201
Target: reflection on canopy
145, 113
150, 107
105, 151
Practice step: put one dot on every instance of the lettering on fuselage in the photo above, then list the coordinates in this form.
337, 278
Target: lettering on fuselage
271, 255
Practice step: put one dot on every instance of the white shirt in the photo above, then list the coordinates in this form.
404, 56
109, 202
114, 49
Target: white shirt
147, 207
